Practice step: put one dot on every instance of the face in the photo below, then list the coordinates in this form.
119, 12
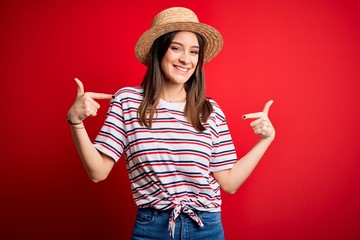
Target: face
181, 58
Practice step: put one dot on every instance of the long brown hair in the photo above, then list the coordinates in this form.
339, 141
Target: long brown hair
197, 108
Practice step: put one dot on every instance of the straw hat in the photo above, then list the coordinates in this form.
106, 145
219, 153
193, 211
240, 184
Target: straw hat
178, 19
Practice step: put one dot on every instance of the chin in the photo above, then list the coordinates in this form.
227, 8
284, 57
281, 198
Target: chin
180, 81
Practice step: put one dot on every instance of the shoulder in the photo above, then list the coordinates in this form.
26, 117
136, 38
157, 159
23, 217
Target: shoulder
129, 92
216, 109
214, 104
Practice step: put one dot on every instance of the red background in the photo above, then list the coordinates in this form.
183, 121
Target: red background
303, 54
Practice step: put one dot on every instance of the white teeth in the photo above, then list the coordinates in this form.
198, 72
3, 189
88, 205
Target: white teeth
182, 69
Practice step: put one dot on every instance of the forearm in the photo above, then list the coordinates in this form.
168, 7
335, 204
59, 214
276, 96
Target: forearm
232, 179
96, 164
93, 161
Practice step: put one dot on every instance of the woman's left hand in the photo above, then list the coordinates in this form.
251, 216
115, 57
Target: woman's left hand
262, 125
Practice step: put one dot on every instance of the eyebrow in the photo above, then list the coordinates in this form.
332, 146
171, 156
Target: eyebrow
183, 45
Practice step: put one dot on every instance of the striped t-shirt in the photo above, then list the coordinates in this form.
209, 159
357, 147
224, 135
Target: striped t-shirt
169, 164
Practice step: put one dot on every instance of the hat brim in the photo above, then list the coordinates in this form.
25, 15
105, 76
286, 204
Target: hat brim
212, 37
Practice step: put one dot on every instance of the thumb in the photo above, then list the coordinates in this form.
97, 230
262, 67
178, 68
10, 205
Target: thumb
267, 106
80, 85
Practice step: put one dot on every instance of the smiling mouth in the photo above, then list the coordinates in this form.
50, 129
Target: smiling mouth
181, 69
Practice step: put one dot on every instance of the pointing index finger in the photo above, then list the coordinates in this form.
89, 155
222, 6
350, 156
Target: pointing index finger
253, 115
259, 114
100, 95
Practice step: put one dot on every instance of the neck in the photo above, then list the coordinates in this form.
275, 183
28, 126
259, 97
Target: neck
173, 93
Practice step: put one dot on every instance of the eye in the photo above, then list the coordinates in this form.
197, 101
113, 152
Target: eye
194, 52
175, 48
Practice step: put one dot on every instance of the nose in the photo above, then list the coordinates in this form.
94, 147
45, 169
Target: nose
184, 58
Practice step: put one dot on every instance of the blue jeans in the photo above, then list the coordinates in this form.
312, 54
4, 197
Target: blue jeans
152, 224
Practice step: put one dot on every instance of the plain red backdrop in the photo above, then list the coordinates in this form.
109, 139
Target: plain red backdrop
303, 54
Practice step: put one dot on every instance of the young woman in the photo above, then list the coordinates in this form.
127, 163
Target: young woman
177, 146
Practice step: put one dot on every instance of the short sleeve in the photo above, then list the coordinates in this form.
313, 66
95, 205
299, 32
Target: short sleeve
223, 153
112, 138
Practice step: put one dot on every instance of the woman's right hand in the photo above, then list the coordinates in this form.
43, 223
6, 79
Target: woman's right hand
85, 105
